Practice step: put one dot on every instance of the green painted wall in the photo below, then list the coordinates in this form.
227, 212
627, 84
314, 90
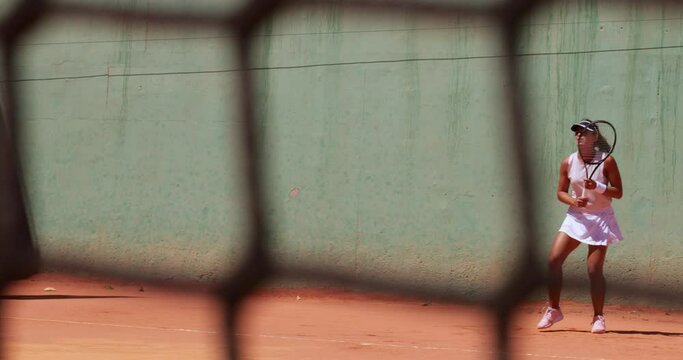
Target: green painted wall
383, 138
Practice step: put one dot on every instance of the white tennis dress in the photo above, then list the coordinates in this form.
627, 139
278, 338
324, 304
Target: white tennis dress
596, 223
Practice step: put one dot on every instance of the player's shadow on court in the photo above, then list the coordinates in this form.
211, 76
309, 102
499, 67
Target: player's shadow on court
626, 332
641, 332
61, 297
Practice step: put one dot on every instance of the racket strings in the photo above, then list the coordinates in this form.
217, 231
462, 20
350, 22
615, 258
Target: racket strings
593, 155
601, 147
604, 142
603, 137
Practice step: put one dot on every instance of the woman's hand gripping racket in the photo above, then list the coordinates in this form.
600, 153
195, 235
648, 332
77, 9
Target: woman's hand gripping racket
596, 143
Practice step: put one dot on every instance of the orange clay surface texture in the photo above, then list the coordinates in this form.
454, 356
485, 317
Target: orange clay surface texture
57, 317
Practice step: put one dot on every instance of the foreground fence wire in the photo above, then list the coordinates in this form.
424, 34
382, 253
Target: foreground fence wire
19, 255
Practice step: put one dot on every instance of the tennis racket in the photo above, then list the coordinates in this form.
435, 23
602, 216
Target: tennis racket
596, 143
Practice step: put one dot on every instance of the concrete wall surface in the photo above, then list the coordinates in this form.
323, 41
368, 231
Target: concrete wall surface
384, 135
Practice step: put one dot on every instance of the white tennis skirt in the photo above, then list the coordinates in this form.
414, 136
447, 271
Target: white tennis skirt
594, 228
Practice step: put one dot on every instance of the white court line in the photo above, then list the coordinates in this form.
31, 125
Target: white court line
111, 325
297, 338
408, 346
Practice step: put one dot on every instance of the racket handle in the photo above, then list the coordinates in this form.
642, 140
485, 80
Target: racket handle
583, 191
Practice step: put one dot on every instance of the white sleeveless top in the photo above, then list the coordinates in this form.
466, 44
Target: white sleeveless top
576, 173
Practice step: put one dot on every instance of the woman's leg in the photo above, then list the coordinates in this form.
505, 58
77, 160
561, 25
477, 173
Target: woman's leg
563, 245
595, 261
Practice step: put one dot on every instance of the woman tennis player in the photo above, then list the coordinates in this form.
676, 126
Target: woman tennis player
590, 220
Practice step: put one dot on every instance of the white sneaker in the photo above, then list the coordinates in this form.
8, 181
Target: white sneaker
598, 325
550, 317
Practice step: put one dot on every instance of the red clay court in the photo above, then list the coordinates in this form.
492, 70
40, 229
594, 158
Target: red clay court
88, 318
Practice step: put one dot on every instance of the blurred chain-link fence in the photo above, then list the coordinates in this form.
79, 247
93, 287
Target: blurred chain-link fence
238, 24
